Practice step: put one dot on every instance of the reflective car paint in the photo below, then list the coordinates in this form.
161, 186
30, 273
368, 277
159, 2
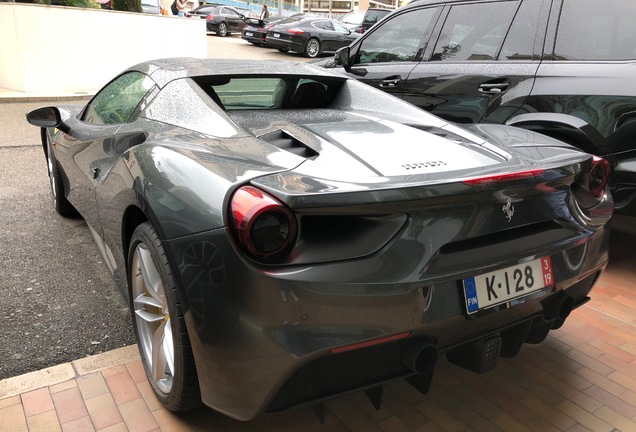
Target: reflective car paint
388, 233
535, 79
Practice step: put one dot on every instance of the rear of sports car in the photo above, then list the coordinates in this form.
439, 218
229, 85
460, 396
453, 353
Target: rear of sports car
368, 261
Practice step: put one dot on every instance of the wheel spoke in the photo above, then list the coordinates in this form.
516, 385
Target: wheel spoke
158, 362
148, 301
168, 346
162, 366
150, 274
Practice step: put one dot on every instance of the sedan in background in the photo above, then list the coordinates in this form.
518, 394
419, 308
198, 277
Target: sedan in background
285, 234
220, 19
255, 30
309, 35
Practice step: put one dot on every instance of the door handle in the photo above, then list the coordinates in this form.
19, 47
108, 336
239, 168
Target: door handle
494, 87
391, 82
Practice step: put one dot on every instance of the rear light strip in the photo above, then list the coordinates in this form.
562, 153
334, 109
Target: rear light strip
367, 344
495, 178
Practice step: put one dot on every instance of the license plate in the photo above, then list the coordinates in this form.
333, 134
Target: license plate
277, 35
506, 284
249, 34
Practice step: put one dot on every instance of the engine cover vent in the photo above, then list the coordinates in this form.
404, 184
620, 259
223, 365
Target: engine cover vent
285, 141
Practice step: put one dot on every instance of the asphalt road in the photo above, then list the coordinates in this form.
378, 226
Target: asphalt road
59, 303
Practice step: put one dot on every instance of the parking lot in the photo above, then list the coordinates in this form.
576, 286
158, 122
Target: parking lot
61, 305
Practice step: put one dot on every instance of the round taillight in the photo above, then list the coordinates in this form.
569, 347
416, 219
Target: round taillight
598, 176
264, 227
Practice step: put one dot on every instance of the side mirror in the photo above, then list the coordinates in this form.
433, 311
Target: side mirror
342, 58
47, 117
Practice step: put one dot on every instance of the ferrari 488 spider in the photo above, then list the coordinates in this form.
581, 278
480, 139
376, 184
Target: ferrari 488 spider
285, 234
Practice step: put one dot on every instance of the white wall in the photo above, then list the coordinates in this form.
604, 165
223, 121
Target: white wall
63, 50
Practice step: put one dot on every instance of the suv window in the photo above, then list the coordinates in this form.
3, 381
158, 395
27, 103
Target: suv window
398, 39
520, 41
609, 32
474, 31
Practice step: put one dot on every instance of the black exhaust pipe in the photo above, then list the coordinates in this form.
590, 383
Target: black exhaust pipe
558, 308
421, 359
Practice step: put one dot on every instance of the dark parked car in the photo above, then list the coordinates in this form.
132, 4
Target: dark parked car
285, 234
220, 19
255, 30
564, 68
309, 35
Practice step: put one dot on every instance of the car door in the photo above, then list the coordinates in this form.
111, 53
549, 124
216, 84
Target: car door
386, 55
85, 151
233, 19
483, 63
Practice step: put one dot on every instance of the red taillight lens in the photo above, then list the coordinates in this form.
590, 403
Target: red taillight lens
295, 31
504, 177
598, 177
209, 17
265, 227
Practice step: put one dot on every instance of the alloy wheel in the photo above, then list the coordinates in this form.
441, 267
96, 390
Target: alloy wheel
153, 319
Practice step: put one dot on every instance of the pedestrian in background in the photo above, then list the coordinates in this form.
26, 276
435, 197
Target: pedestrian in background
178, 7
264, 12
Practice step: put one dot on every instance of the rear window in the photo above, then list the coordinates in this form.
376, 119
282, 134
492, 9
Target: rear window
595, 30
264, 93
373, 16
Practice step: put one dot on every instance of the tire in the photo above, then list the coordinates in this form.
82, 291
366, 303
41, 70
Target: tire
62, 205
283, 50
160, 329
222, 30
312, 48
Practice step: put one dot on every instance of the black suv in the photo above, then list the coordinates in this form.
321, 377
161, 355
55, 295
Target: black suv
565, 68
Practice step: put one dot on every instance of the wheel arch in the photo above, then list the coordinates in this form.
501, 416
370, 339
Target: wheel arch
564, 127
133, 217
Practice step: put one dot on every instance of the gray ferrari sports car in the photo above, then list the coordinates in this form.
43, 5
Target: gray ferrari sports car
285, 234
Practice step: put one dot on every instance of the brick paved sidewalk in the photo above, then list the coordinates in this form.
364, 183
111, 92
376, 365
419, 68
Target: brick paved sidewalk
582, 378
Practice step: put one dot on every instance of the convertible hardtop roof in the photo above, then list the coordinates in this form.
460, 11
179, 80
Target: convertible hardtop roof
165, 70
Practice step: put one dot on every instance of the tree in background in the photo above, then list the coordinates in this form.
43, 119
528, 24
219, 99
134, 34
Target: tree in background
73, 3
127, 5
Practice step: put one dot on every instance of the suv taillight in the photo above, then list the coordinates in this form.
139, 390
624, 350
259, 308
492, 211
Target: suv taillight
263, 226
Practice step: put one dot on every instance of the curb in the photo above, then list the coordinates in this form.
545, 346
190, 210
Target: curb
65, 372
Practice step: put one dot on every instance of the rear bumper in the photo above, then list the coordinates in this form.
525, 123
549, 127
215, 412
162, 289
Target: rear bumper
286, 44
256, 38
265, 340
